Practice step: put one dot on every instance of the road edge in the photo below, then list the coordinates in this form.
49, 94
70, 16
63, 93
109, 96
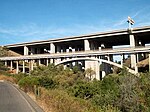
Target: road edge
31, 103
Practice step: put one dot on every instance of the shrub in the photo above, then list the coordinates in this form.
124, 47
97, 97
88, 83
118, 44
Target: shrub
49, 71
66, 78
20, 76
2, 67
46, 82
60, 101
83, 90
27, 83
107, 91
128, 98
143, 90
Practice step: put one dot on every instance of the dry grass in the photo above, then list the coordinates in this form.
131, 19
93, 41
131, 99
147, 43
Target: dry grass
60, 101
7, 78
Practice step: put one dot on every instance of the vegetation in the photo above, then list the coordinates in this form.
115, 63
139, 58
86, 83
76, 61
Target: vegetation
3, 51
4, 75
70, 91
3, 69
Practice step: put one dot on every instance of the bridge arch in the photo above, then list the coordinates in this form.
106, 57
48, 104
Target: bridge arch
99, 60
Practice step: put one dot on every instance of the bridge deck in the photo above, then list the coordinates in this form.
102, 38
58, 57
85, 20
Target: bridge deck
127, 50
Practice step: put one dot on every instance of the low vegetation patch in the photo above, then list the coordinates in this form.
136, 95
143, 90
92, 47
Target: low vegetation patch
7, 78
64, 90
60, 101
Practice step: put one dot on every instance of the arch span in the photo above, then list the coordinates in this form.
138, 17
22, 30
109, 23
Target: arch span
95, 59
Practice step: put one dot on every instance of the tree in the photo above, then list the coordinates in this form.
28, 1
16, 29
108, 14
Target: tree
128, 99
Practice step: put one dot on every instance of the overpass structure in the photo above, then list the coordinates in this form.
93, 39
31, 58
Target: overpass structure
96, 51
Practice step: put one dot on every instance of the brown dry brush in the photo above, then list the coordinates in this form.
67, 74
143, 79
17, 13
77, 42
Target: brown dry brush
60, 101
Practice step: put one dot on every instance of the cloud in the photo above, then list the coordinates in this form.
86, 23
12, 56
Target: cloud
120, 22
141, 18
32, 31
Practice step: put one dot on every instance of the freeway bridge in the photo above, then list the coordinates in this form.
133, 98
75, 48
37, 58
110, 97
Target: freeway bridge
99, 48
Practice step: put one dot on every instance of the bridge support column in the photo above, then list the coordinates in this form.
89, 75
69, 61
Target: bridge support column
11, 65
87, 48
102, 68
97, 70
58, 50
52, 48
51, 61
23, 66
32, 62
17, 67
136, 69
86, 45
133, 56
26, 50
94, 65
6, 63
47, 62
122, 59
103, 74
31, 65
39, 62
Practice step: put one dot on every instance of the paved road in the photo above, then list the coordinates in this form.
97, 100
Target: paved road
11, 100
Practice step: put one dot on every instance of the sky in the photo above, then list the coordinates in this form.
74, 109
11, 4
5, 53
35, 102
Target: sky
33, 20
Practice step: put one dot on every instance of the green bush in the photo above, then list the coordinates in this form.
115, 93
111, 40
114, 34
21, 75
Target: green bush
83, 90
46, 82
143, 90
107, 91
128, 100
67, 78
49, 71
27, 83
20, 76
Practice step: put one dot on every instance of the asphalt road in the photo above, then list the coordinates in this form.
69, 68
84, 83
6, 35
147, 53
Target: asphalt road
12, 100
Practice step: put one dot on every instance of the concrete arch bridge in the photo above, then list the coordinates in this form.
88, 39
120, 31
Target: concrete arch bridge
97, 63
